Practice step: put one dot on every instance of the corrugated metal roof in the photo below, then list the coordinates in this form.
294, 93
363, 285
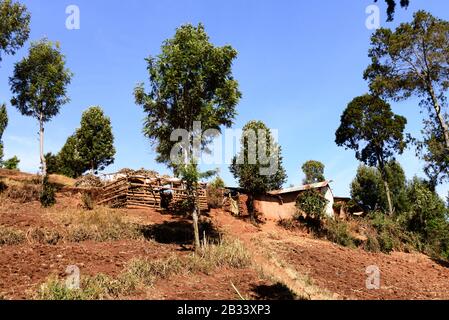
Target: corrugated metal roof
300, 188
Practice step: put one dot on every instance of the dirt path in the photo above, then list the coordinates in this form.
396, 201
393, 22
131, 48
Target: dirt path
318, 269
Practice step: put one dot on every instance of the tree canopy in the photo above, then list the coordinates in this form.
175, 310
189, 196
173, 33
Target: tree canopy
95, 144
313, 171
191, 80
370, 128
14, 26
413, 60
39, 85
391, 7
258, 166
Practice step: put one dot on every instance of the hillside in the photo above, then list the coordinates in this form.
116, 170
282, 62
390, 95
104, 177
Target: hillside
146, 254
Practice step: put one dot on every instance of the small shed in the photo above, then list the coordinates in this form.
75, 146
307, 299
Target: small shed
281, 204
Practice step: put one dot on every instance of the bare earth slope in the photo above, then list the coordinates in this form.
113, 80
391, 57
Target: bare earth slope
325, 270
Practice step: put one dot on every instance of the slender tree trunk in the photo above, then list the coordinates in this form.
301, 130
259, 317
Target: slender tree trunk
387, 187
41, 144
444, 126
250, 207
196, 231
390, 203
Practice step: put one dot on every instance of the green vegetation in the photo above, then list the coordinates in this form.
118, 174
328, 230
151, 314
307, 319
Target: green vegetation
412, 61
258, 166
314, 172
215, 193
12, 163
91, 147
14, 27
39, 86
370, 128
191, 83
312, 203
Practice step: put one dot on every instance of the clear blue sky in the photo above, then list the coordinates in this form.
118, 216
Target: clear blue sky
299, 64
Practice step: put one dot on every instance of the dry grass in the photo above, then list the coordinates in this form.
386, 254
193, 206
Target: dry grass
102, 224
143, 273
10, 236
21, 192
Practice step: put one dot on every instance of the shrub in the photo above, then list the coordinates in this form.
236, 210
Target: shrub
338, 232
215, 193
97, 287
390, 233
47, 196
87, 201
312, 203
3, 186
288, 224
10, 236
44, 236
11, 164
23, 193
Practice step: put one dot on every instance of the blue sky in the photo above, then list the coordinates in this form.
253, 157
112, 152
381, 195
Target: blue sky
299, 64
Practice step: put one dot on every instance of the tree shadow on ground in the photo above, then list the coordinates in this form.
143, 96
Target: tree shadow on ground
443, 263
180, 232
277, 291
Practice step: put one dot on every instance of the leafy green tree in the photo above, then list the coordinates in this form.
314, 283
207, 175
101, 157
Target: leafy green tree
69, 162
368, 189
312, 203
11, 164
52, 163
428, 217
365, 188
95, 143
258, 166
374, 132
190, 80
314, 172
411, 61
392, 7
3, 125
39, 86
14, 26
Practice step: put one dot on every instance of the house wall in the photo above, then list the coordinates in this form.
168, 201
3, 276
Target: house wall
274, 209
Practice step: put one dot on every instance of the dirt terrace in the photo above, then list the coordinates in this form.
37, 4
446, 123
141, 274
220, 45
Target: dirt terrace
337, 272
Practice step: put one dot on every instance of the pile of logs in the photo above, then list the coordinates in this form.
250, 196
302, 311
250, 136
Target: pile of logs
139, 191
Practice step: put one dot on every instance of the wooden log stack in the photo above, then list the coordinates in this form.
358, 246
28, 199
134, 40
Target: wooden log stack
135, 191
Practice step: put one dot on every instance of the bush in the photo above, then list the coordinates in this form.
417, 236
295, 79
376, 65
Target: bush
47, 196
3, 186
391, 235
215, 193
338, 232
98, 287
44, 236
312, 203
23, 193
87, 201
11, 164
9, 236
